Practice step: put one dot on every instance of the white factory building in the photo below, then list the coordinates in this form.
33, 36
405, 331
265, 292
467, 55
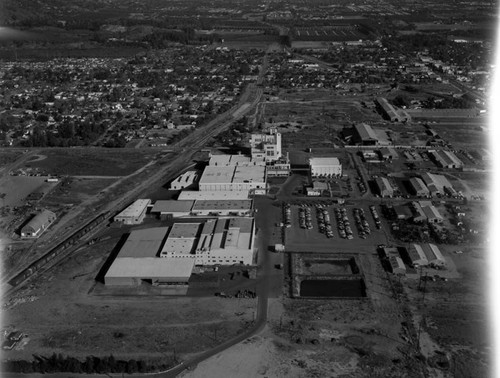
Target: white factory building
186, 180
138, 262
325, 167
173, 208
233, 178
213, 195
226, 241
234, 160
167, 255
135, 213
266, 146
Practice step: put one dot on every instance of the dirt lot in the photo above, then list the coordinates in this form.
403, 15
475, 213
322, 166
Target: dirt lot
60, 314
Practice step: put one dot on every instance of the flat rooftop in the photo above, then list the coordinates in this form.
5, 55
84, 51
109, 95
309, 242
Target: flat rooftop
172, 206
184, 230
213, 195
151, 267
324, 161
135, 209
143, 243
217, 175
222, 205
255, 173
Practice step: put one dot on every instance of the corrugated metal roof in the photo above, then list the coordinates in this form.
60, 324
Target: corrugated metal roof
41, 220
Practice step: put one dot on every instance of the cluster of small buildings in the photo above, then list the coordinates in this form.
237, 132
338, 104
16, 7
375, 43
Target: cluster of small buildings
417, 255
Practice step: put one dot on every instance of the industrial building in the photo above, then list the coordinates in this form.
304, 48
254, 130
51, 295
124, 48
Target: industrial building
418, 187
234, 160
426, 254
138, 262
135, 213
278, 168
445, 159
424, 211
38, 224
437, 184
186, 180
213, 195
397, 265
167, 255
417, 256
226, 241
325, 167
233, 178
384, 187
266, 146
317, 189
390, 112
364, 135
222, 207
163, 208
388, 154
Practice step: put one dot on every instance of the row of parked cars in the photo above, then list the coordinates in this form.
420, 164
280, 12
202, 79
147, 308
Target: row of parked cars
324, 224
375, 216
343, 224
361, 223
287, 215
305, 219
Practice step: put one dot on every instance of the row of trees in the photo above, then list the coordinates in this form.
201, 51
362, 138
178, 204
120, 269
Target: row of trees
91, 365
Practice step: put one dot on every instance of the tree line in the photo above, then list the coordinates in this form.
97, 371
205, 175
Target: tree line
91, 365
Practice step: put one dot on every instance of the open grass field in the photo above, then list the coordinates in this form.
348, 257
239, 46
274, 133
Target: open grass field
92, 162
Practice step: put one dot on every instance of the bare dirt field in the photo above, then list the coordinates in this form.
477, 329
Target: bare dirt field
60, 314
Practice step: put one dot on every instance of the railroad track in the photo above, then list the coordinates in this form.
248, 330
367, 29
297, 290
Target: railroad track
195, 141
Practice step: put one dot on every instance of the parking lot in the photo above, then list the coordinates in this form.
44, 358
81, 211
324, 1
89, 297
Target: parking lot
329, 227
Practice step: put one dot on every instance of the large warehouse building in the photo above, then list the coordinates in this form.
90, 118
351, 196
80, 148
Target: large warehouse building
445, 159
135, 213
167, 255
325, 166
426, 254
391, 112
418, 187
437, 184
38, 224
138, 262
233, 178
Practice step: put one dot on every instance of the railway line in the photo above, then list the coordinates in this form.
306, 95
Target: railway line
186, 150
